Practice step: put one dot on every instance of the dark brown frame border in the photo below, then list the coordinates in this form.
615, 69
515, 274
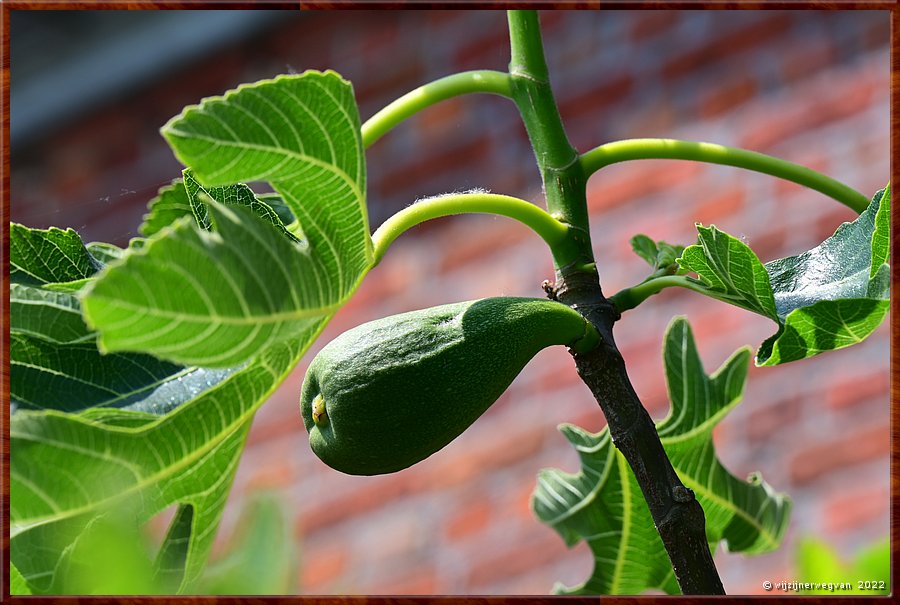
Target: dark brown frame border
10, 5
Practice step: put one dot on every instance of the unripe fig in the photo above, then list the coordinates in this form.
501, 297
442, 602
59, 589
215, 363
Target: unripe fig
391, 392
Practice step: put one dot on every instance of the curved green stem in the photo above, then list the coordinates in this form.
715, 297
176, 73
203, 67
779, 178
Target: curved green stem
629, 298
645, 149
487, 81
548, 228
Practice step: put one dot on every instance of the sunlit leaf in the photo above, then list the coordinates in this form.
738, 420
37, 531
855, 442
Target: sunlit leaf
218, 298
603, 504
830, 297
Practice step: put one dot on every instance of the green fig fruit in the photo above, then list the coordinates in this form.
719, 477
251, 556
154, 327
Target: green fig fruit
391, 392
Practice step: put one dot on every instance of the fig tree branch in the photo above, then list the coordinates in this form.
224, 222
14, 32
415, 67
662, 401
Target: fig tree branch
676, 513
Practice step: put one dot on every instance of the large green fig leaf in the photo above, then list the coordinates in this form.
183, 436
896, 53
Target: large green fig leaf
830, 297
67, 469
242, 296
218, 298
603, 504
54, 361
55, 367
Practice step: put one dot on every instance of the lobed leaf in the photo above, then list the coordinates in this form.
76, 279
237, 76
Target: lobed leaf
67, 469
241, 297
827, 298
603, 504
218, 298
54, 361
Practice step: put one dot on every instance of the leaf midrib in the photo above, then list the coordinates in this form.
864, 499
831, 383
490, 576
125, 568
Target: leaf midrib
228, 320
770, 539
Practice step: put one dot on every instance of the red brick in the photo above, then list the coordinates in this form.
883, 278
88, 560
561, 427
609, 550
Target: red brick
367, 498
503, 450
873, 150
409, 174
552, 19
879, 34
407, 74
442, 119
729, 45
854, 510
276, 474
638, 180
392, 278
591, 419
727, 96
559, 374
815, 160
473, 517
421, 580
770, 244
515, 560
594, 99
810, 111
840, 452
491, 50
826, 224
720, 206
381, 37
520, 504
320, 568
814, 55
478, 245
776, 416
280, 415
651, 23
718, 320
859, 389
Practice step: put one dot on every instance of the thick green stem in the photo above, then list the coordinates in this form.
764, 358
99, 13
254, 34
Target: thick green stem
548, 228
678, 516
485, 81
556, 158
651, 149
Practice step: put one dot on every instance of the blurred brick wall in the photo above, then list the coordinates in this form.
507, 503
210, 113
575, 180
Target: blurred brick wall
808, 86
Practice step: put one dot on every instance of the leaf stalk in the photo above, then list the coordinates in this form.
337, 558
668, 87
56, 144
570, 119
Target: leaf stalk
711, 153
552, 231
467, 82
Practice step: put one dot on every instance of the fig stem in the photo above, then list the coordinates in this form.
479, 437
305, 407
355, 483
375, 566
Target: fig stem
552, 231
653, 149
467, 82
